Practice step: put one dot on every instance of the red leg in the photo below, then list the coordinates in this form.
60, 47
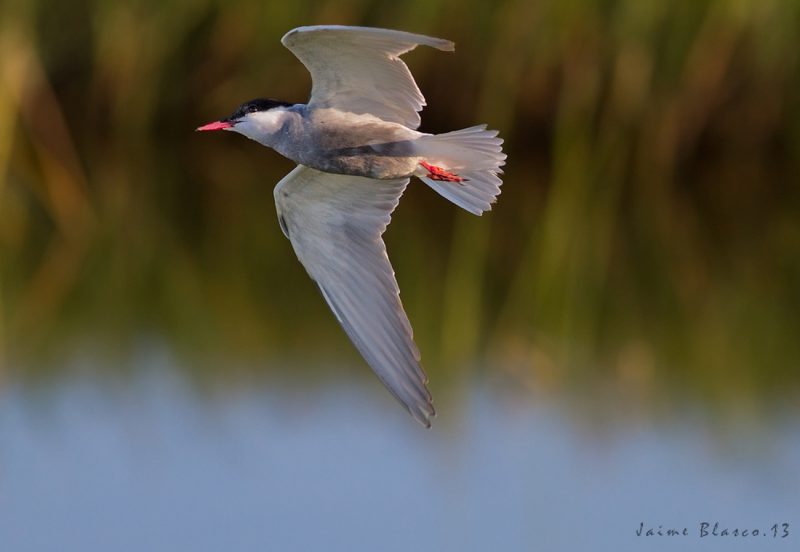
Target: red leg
438, 173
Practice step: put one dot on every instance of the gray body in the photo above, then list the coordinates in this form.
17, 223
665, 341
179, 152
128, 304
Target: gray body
331, 141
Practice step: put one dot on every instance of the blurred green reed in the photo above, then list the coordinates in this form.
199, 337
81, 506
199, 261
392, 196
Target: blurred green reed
648, 234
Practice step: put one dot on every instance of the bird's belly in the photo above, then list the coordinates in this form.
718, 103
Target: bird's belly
370, 165
359, 145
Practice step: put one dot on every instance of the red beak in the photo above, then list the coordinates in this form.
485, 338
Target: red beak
216, 125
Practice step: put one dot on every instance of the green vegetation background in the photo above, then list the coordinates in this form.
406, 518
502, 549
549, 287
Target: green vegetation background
648, 234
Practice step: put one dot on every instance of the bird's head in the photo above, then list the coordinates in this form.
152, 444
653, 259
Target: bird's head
254, 119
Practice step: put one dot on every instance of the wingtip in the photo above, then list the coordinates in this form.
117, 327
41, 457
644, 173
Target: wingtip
439, 43
424, 414
447, 45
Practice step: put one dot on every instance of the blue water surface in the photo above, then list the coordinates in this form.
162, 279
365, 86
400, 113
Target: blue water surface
87, 464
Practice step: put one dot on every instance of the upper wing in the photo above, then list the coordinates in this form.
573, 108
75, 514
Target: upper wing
335, 224
358, 69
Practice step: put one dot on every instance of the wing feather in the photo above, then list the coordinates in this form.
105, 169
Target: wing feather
358, 69
335, 223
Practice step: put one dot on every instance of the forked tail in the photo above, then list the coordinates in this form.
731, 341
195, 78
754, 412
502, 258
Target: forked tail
463, 166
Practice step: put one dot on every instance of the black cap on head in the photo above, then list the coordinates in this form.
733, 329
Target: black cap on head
259, 104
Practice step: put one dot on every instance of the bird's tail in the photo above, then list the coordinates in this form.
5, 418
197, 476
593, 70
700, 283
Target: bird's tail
463, 166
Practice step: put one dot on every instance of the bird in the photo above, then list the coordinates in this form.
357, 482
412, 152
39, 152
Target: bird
356, 146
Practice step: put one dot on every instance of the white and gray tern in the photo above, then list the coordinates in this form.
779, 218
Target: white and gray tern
356, 147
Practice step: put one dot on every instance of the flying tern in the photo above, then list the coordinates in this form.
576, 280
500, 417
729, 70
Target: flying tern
356, 147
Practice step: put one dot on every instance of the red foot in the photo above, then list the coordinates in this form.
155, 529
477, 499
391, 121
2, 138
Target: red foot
438, 173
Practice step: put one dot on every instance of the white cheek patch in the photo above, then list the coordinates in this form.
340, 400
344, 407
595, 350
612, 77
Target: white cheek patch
262, 126
267, 122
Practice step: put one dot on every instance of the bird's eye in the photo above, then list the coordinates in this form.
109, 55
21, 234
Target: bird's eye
252, 109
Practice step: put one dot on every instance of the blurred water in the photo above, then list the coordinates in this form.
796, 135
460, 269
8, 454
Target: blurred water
155, 465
